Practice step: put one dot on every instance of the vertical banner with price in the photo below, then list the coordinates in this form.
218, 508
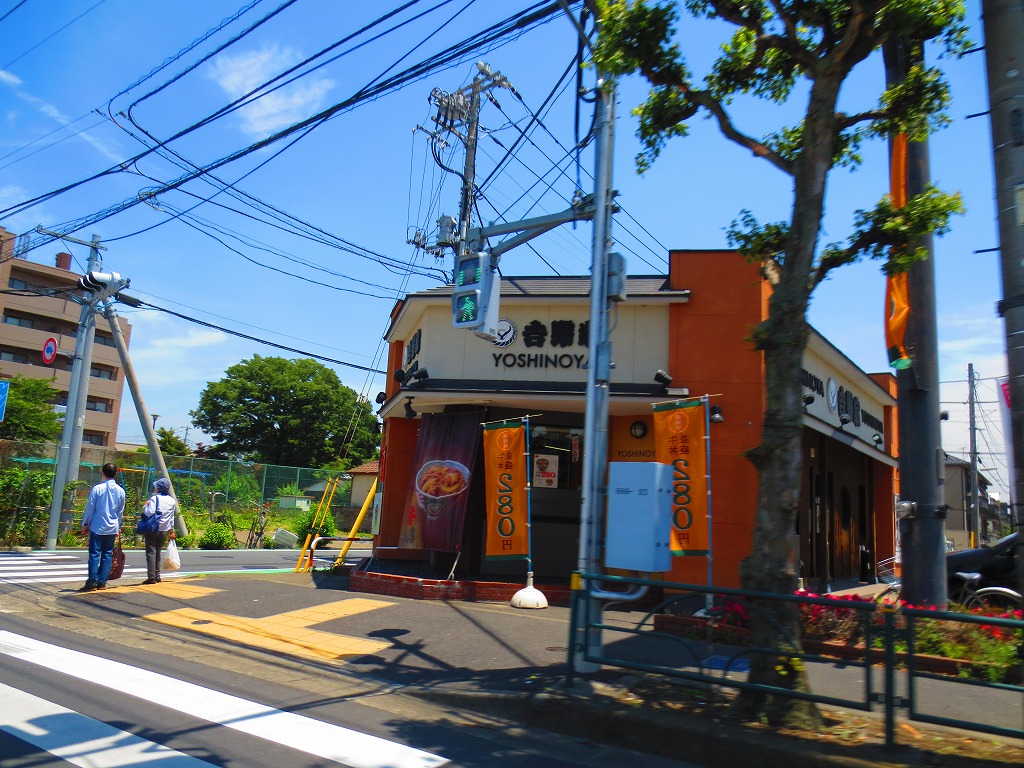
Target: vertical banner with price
507, 491
679, 437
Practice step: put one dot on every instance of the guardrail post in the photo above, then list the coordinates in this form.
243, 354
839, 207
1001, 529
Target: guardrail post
889, 674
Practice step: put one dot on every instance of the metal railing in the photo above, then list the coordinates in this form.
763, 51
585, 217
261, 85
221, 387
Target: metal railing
882, 670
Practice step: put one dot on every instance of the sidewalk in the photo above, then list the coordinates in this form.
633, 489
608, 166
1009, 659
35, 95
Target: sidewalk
478, 656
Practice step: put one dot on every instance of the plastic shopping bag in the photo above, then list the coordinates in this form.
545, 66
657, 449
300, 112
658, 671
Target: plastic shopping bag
172, 561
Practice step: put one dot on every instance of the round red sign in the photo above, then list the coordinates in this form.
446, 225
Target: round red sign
50, 351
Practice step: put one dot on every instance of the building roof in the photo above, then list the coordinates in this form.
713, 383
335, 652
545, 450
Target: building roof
371, 467
640, 285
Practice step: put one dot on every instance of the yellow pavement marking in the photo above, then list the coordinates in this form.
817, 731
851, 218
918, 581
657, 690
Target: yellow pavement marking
284, 632
179, 590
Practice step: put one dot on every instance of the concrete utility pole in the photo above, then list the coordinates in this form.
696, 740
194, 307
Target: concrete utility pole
975, 498
1004, 54
922, 534
140, 408
70, 452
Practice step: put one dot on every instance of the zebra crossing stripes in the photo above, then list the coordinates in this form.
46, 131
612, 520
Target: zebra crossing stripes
46, 568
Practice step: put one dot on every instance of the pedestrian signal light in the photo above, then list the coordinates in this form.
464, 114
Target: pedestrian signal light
467, 272
471, 290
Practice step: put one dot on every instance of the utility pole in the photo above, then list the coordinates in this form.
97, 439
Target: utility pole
975, 500
922, 532
140, 408
70, 451
1004, 44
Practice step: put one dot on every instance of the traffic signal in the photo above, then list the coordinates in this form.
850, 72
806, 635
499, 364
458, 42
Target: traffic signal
102, 284
472, 290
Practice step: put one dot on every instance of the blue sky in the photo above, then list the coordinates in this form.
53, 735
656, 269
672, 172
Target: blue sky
320, 270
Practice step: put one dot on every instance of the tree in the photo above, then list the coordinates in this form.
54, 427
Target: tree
170, 443
288, 412
776, 46
30, 416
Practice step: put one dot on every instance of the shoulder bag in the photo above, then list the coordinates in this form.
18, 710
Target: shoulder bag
117, 561
150, 524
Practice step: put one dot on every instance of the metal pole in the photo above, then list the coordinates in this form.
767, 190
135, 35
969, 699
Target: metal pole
921, 461
64, 451
595, 430
975, 538
1004, 41
140, 408
69, 454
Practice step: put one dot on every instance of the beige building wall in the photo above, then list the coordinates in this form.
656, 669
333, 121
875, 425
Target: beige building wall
28, 319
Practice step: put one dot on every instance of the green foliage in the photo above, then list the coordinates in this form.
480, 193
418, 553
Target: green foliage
217, 536
239, 488
289, 489
304, 526
287, 412
24, 488
30, 416
187, 542
170, 443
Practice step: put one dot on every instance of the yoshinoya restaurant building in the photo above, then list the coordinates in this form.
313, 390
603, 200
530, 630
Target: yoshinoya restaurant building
693, 325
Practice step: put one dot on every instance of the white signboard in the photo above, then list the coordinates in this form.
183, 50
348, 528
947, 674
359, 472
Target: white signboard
545, 470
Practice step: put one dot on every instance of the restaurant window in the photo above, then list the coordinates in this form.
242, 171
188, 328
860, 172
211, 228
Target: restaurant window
556, 457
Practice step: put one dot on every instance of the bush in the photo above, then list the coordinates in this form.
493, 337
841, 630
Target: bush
217, 536
187, 542
304, 526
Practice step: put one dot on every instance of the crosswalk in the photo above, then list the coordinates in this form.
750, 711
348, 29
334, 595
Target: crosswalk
47, 568
52, 727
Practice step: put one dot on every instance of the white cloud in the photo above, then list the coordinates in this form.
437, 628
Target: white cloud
240, 74
9, 79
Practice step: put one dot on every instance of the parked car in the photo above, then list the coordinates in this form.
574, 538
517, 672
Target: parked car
996, 564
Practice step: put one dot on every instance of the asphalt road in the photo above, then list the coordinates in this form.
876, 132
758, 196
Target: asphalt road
227, 670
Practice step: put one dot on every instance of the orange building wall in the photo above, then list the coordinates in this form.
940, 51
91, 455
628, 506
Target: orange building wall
398, 452
710, 352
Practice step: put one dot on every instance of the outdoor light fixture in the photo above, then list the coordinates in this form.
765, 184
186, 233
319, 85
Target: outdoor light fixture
661, 377
844, 419
409, 412
943, 415
877, 440
421, 374
399, 375
381, 397
808, 399
716, 415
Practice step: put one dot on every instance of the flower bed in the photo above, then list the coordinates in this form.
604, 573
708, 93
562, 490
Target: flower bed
941, 646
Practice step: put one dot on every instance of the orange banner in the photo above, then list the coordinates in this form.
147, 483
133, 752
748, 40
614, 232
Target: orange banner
897, 294
505, 475
679, 432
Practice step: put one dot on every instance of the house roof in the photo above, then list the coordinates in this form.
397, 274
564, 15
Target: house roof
371, 467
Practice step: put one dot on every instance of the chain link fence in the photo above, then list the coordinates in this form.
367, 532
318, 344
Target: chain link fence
232, 493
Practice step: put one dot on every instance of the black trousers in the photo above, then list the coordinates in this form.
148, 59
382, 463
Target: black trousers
154, 549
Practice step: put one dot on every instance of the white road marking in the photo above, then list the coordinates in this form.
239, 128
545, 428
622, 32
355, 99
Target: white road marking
81, 740
304, 734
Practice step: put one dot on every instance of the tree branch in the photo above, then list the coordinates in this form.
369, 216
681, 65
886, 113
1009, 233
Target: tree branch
725, 125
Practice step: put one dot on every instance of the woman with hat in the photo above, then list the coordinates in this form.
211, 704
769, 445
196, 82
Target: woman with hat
164, 505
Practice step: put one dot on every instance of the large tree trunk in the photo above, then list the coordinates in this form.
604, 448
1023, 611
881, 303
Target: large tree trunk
772, 565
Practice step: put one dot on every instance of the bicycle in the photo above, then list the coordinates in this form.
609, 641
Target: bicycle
991, 597
259, 524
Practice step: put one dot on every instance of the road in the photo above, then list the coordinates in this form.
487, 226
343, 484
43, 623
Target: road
71, 565
95, 680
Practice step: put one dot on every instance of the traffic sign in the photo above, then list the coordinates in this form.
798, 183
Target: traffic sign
4, 387
50, 350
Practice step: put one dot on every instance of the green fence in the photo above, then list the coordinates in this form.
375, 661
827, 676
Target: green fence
207, 489
866, 656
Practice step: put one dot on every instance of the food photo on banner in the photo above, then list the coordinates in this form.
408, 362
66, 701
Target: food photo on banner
435, 507
507, 490
679, 434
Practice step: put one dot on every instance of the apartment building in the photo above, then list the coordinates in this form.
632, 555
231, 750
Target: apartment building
36, 304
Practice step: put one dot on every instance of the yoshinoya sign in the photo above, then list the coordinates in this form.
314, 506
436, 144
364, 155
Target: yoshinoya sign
549, 339
840, 400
